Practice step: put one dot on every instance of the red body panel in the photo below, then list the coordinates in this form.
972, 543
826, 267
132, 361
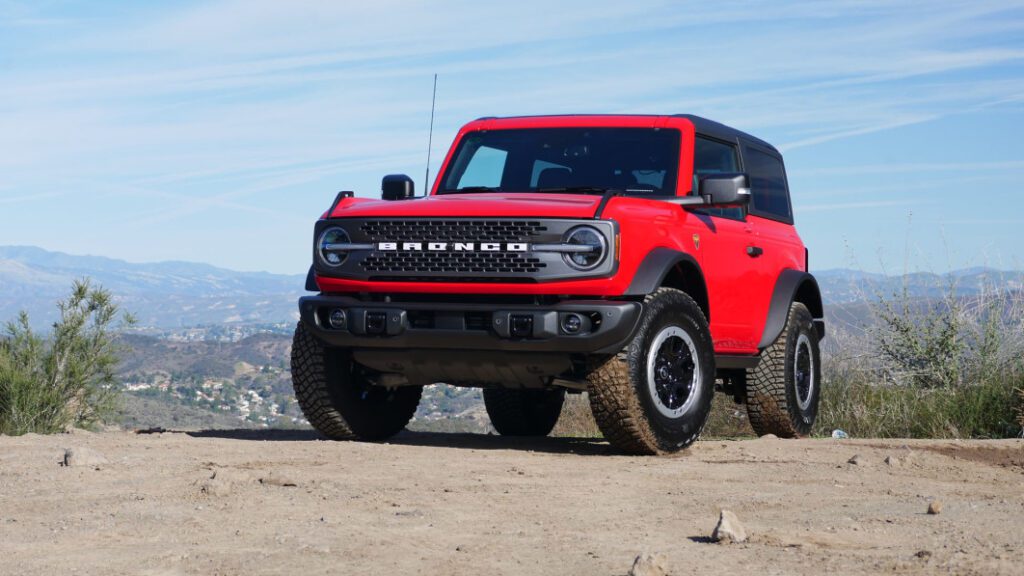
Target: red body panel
739, 285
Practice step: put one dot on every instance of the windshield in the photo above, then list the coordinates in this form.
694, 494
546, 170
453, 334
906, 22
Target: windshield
637, 161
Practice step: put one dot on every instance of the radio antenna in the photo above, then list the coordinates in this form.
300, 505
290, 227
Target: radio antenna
430, 138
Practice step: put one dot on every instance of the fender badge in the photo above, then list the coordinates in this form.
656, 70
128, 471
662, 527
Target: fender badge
696, 241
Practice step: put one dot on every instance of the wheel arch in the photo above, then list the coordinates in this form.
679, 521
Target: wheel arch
792, 286
668, 268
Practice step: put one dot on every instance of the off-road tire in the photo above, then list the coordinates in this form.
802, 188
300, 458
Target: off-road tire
621, 397
515, 412
775, 401
338, 398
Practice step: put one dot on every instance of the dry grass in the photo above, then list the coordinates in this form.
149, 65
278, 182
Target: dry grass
576, 420
951, 367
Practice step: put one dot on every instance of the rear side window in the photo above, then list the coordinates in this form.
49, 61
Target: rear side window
715, 157
770, 194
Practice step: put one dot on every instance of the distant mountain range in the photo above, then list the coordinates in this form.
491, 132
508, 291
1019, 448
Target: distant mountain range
161, 295
168, 295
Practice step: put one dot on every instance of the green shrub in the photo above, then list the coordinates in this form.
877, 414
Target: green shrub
67, 378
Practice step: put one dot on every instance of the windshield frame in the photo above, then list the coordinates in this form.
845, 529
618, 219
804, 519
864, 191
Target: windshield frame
670, 183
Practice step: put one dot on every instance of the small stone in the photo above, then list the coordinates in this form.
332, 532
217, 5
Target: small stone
923, 554
894, 461
857, 460
82, 456
649, 565
729, 529
935, 507
769, 437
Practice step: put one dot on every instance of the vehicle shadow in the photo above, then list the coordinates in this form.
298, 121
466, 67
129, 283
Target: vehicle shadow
457, 440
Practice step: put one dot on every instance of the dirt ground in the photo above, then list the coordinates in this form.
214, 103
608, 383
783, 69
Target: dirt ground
243, 502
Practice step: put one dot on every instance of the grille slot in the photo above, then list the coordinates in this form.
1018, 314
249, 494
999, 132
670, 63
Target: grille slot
478, 320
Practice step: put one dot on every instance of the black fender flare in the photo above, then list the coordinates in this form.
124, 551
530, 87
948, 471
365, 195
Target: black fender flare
792, 285
311, 281
655, 268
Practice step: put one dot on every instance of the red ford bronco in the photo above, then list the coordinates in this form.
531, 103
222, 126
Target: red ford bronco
645, 260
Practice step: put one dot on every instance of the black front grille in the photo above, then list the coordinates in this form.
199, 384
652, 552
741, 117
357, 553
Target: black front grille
452, 262
451, 230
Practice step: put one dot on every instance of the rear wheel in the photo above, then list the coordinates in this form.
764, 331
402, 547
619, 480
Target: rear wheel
515, 412
783, 390
339, 397
655, 396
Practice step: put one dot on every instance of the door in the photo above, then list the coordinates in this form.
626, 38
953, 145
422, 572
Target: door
732, 274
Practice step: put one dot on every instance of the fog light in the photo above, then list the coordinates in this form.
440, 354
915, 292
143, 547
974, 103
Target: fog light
571, 323
337, 319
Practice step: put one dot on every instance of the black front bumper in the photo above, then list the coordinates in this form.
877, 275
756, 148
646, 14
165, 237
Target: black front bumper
605, 326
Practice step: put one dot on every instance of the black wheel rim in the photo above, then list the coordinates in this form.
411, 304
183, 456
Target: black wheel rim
672, 371
803, 371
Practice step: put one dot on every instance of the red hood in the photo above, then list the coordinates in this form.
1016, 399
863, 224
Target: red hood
488, 204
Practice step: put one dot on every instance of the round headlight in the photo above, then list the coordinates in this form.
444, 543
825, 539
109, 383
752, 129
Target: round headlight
327, 246
590, 238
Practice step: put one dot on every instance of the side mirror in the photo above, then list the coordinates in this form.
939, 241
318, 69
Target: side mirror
396, 187
725, 190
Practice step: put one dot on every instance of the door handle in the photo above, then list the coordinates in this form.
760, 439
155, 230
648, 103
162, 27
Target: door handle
754, 251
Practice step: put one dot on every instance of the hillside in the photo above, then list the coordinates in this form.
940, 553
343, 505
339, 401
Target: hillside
217, 385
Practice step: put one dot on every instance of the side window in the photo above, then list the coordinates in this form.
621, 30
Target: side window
485, 168
770, 194
714, 157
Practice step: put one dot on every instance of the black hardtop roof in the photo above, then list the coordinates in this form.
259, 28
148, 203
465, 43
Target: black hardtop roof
702, 125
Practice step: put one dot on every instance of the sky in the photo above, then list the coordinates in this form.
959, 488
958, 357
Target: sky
219, 131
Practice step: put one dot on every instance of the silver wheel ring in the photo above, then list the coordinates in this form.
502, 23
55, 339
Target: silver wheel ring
804, 342
652, 356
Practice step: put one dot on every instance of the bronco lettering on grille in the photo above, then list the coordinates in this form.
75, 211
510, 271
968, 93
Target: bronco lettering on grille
452, 246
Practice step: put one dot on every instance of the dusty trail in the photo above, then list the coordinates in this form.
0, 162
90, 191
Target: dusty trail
286, 502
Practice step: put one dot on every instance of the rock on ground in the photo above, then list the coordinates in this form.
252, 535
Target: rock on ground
82, 456
729, 529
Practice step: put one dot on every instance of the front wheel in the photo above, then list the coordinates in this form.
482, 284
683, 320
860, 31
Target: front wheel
340, 399
654, 397
783, 390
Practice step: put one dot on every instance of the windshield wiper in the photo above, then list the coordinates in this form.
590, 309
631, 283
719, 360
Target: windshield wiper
576, 190
469, 190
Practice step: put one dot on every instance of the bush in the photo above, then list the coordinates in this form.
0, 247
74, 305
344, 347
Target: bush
66, 379
951, 367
